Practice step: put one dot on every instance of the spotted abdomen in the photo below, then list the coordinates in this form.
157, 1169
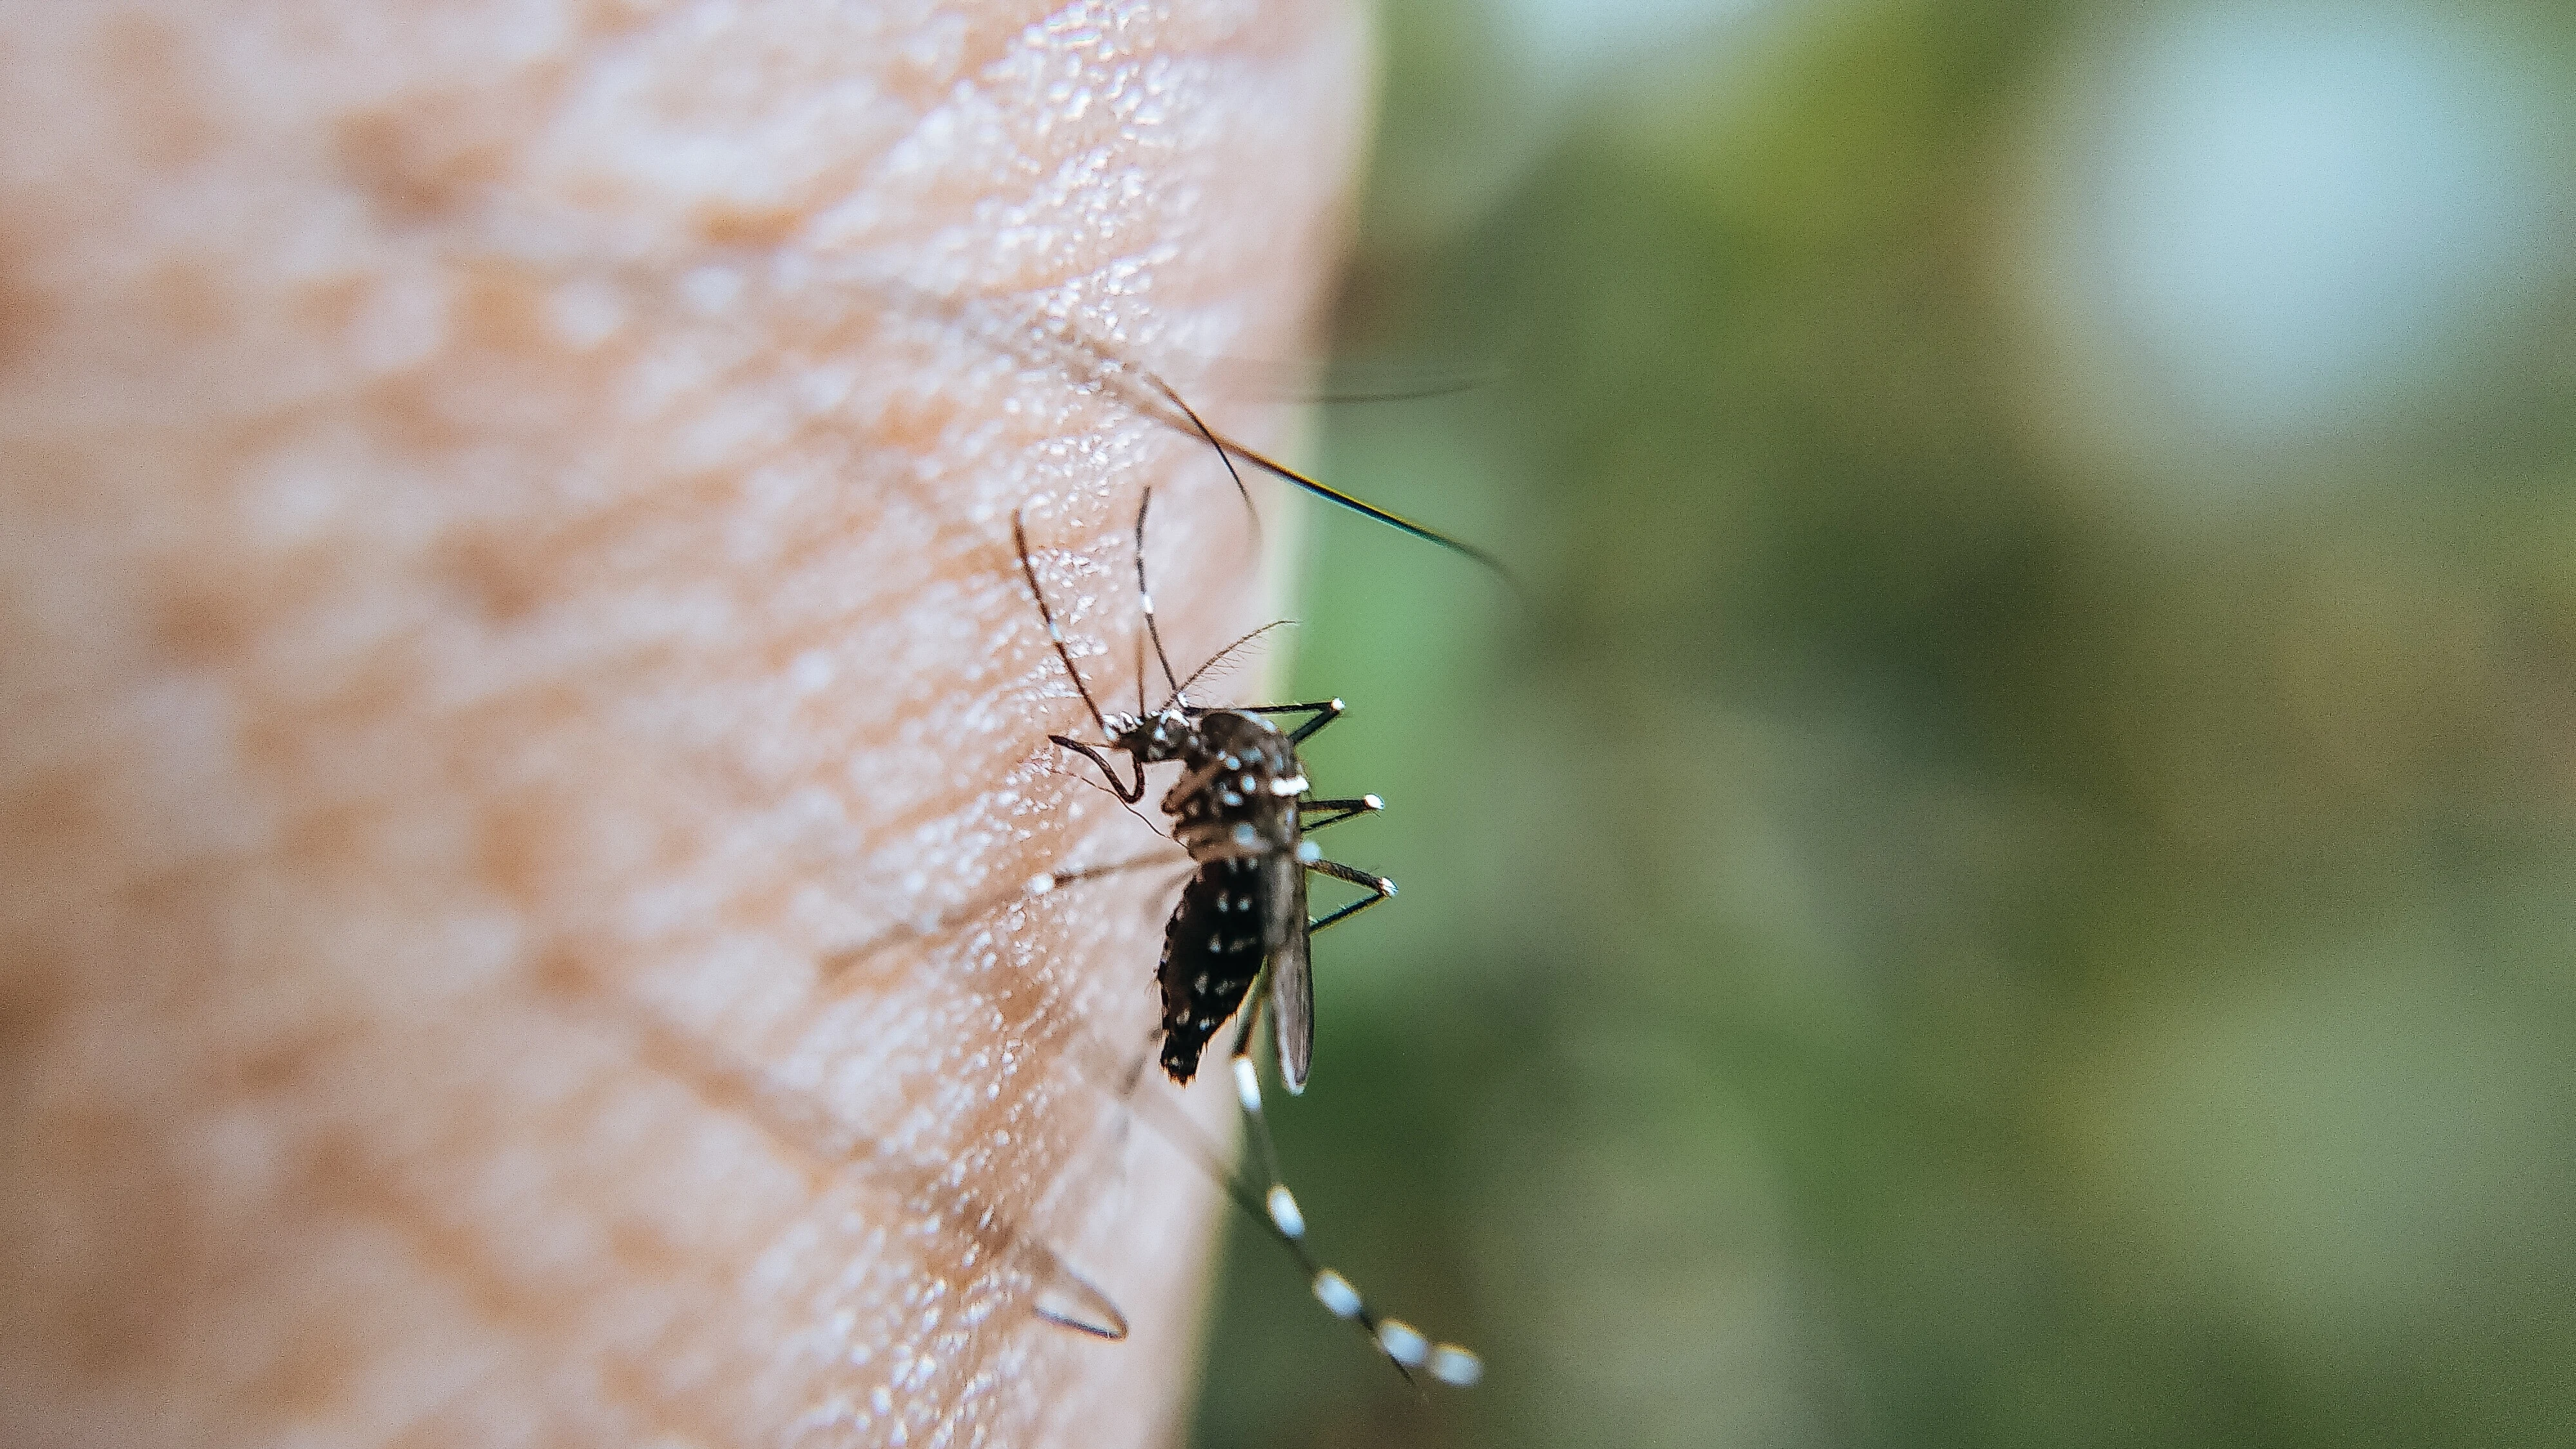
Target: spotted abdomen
1212, 951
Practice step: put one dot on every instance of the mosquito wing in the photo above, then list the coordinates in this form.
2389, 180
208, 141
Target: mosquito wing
1292, 983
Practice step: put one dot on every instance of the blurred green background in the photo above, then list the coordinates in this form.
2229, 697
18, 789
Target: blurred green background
2015, 882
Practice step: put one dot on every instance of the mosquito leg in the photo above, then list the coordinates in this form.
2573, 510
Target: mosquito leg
1397, 522
838, 964
1342, 810
1275, 1209
1324, 711
1055, 633
1039, 885
1256, 1126
1403, 1344
1222, 455
1145, 601
1378, 886
1067, 1299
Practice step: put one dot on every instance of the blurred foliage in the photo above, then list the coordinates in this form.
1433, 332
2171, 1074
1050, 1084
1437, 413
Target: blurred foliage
1913, 936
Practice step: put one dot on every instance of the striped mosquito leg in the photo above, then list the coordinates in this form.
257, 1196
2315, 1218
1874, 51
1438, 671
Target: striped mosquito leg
1379, 887
1403, 1345
840, 962
1334, 812
1320, 713
1048, 881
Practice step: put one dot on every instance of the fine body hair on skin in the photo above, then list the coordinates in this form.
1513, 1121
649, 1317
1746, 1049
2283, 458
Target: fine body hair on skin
519, 700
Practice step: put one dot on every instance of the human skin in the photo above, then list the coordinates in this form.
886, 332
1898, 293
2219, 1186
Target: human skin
523, 724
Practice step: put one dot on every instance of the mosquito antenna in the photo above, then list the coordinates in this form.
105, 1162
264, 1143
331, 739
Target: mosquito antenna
1145, 599
1219, 657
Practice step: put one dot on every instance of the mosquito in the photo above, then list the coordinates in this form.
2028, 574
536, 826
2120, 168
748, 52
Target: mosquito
1239, 939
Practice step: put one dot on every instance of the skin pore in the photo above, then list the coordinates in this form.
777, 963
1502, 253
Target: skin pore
523, 724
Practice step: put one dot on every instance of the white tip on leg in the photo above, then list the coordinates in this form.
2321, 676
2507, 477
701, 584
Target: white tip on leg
1372, 802
1308, 852
1456, 1367
1039, 885
1283, 1211
1337, 1295
1402, 1344
1247, 1084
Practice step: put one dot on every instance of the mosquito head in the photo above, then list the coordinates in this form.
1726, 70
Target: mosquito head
1166, 734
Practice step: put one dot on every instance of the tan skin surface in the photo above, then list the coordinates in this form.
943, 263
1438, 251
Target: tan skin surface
520, 706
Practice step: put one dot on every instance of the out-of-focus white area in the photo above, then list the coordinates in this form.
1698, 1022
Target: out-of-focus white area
2258, 233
